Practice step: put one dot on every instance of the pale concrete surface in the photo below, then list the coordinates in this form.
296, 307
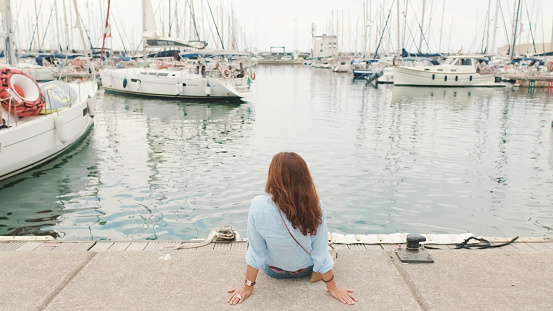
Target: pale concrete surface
29, 280
492, 279
198, 279
192, 280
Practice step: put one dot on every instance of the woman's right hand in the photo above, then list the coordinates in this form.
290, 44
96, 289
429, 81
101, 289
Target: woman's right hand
343, 294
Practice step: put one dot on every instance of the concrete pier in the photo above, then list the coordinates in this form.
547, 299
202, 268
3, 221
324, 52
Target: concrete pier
96, 275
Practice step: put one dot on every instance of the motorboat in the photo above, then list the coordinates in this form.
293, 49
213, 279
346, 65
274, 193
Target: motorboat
388, 71
456, 71
364, 69
41, 121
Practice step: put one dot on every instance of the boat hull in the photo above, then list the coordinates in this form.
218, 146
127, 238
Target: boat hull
362, 73
36, 140
409, 76
174, 84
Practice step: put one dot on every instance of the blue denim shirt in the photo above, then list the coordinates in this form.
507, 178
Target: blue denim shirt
271, 243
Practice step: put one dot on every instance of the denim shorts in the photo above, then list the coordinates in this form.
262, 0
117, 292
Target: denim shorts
287, 274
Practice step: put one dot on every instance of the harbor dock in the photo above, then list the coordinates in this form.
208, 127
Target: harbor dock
108, 275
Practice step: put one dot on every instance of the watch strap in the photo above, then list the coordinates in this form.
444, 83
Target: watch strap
249, 283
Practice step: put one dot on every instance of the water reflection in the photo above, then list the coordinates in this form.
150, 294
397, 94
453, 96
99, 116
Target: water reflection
30, 207
386, 159
136, 168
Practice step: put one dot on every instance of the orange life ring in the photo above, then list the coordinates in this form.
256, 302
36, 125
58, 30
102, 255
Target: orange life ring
226, 73
78, 63
253, 76
22, 91
549, 66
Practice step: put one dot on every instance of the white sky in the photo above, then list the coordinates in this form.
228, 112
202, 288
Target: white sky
261, 24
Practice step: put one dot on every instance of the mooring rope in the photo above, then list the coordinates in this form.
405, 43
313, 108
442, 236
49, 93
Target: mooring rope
465, 244
219, 233
482, 246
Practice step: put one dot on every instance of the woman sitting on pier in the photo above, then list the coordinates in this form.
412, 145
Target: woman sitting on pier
287, 232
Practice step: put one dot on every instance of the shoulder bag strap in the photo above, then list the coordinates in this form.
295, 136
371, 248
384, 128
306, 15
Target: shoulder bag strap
291, 232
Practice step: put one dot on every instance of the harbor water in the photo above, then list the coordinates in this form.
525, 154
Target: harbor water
384, 159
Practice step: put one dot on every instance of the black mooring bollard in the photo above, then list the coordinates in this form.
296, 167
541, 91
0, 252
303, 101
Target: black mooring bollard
414, 253
413, 241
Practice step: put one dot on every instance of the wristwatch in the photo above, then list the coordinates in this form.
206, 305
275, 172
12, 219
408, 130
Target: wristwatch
249, 283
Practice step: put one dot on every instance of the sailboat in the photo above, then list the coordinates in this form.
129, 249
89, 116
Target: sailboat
174, 80
38, 121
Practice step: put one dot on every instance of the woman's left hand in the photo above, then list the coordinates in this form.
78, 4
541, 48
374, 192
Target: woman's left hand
239, 294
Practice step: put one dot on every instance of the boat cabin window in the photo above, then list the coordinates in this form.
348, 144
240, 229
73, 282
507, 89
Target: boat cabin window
162, 74
466, 61
143, 73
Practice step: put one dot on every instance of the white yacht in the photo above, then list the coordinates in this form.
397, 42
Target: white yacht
324, 64
178, 82
341, 66
63, 116
457, 71
179, 79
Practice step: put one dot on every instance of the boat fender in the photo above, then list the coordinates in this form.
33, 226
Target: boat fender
125, 83
226, 73
61, 130
91, 104
208, 90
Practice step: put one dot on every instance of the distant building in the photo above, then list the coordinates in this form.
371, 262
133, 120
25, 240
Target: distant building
523, 49
324, 46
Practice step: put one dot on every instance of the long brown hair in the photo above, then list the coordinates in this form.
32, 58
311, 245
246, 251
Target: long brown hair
292, 189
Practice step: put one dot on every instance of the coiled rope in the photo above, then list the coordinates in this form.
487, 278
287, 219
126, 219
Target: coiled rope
482, 245
223, 233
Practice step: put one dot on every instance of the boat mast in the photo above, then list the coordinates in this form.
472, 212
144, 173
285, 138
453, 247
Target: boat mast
441, 27
404, 25
495, 27
370, 23
143, 30
58, 25
69, 23
515, 32
37, 33
365, 29
488, 31
342, 45
422, 25
398, 46
10, 44
177, 28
